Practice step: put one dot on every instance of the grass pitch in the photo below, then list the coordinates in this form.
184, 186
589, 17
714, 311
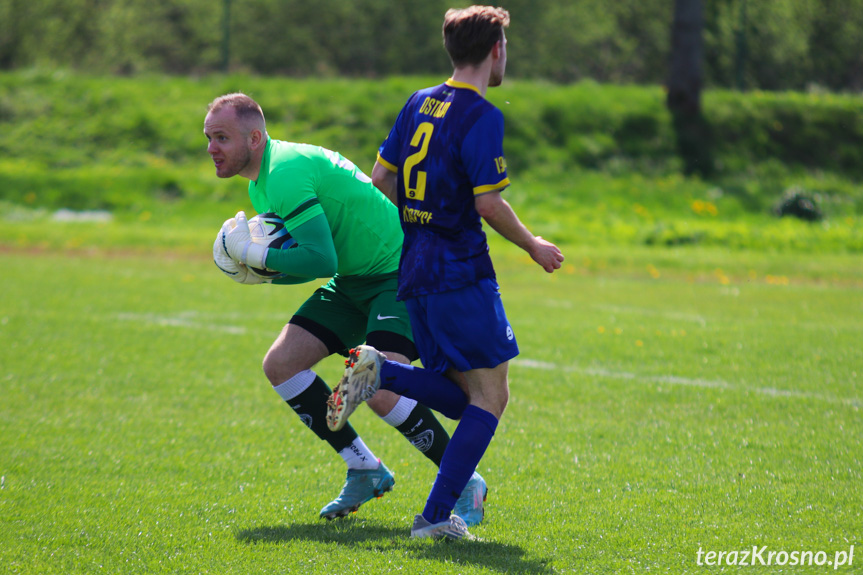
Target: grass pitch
665, 403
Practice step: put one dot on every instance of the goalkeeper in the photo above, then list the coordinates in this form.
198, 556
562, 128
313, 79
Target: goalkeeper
346, 230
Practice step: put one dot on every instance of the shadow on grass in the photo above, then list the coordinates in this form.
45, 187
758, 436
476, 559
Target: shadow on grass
363, 534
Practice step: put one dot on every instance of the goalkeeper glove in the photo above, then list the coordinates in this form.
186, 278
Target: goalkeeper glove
239, 245
234, 270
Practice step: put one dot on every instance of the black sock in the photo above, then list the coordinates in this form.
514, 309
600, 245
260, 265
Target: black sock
311, 406
425, 433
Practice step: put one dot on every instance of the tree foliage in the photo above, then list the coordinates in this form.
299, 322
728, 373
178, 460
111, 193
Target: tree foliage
777, 45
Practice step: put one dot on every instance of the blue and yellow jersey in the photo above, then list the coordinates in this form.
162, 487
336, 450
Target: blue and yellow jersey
446, 147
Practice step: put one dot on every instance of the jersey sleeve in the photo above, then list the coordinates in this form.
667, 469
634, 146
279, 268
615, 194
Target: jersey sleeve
314, 255
389, 166
482, 154
291, 191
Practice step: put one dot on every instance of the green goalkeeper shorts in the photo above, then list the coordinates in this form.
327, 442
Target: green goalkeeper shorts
350, 310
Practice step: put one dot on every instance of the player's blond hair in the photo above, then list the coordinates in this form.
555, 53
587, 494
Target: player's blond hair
470, 33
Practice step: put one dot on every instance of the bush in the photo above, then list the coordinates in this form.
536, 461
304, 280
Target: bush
817, 131
605, 154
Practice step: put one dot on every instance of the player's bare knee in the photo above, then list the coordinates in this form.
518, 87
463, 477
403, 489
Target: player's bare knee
499, 400
275, 370
502, 406
375, 405
269, 369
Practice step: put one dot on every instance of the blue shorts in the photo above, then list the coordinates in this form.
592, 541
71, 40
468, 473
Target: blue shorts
464, 329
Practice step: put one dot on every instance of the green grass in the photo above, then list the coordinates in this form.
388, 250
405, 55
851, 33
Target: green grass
689, 380
665, 401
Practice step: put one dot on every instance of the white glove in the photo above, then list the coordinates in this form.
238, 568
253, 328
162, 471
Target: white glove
248, 278
239, 245
234, 270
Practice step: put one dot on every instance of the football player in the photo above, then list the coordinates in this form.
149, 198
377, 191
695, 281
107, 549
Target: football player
443, 164
347, 231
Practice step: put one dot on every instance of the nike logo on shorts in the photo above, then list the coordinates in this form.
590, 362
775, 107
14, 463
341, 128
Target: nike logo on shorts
380, 317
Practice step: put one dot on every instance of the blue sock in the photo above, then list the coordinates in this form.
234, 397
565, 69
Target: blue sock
465, 449
433, 390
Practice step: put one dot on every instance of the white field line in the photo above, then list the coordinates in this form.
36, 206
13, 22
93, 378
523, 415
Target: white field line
684, 381
180, 321
679, 316
852, 325
187, 321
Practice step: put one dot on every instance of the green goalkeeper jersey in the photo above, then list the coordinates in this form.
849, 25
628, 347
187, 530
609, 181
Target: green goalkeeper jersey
300, 181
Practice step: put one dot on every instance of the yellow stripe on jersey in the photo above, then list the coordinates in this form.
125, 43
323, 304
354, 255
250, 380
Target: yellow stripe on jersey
456, 84
491, 187
387, 165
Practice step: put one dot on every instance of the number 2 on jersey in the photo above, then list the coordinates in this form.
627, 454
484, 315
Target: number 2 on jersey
420, 140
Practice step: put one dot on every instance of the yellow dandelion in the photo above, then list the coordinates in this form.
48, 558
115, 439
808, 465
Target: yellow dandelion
702, 207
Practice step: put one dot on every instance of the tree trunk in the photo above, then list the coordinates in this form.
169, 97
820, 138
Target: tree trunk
684, 87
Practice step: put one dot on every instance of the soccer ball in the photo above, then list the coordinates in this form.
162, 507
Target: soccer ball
269, 230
